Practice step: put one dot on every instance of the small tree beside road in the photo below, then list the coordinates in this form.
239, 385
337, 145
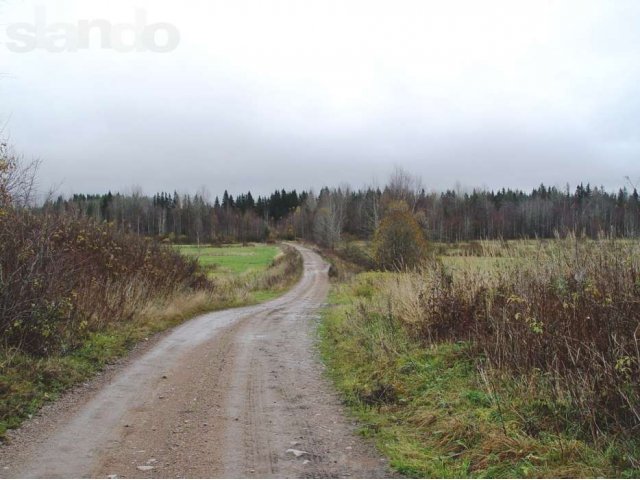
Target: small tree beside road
399, 242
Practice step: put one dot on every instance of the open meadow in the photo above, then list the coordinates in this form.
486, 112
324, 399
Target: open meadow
232, 259
256, 268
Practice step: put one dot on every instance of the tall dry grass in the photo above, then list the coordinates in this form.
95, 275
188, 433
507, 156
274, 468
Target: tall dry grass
564, 315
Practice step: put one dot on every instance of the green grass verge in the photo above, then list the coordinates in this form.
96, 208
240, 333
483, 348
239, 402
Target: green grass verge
433, 412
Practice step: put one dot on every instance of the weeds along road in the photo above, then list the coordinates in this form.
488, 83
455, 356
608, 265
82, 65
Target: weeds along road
236, 393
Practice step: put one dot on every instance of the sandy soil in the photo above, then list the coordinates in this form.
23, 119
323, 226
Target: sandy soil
236, 393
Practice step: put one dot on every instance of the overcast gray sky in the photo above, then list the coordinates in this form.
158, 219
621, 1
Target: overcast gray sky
263, 94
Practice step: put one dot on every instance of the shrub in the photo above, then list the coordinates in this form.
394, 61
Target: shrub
399, 242
357, 255
564, 314
62, 277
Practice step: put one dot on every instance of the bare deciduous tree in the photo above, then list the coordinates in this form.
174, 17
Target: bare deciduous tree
404, 187
17, 178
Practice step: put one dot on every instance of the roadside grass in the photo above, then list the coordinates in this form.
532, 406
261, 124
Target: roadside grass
439, 409
28, 382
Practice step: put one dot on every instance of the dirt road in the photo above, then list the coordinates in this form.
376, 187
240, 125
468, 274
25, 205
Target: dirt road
237, 393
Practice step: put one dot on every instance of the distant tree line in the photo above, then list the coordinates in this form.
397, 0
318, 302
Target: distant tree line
187, 218
338, 213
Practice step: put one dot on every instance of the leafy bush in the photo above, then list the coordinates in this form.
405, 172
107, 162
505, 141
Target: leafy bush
399, 242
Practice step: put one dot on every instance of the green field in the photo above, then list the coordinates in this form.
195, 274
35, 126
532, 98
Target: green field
232, 259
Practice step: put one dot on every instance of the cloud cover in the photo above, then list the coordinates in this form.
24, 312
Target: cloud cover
264, 94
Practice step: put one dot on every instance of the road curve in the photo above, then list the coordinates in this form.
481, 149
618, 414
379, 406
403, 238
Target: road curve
236, 393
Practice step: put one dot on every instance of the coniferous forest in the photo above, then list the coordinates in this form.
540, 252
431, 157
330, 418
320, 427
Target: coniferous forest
335, 214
